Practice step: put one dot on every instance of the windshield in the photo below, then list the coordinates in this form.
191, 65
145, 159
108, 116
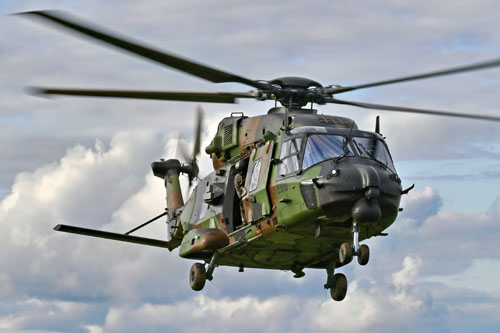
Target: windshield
289, 157
323, 147
373, 148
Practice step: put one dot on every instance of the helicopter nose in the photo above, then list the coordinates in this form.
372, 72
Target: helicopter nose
367, 176
367, 209
356, 189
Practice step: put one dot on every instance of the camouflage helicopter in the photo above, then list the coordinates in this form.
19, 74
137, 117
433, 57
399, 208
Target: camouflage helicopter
291, 189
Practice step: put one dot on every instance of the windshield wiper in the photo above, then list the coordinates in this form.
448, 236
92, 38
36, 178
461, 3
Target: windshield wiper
344, 154
370, 154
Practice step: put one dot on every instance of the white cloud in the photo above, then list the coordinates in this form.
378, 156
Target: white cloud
246, 314
85, 188
42, 315
419, 205
382, 306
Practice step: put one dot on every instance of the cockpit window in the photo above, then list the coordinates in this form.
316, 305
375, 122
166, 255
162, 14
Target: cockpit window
375, 149
321, 147
289, 157
255, 175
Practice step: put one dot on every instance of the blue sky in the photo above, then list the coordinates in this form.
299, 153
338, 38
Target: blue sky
87, 162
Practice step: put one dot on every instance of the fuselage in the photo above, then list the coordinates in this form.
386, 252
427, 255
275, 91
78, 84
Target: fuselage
300, 189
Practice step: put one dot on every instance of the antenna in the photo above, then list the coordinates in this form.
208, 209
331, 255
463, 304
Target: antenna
352, 125
287, 125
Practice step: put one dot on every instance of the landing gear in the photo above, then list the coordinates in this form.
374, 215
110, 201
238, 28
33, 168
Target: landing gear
197, 276
347, 251
339, 291
363, 254
337, 283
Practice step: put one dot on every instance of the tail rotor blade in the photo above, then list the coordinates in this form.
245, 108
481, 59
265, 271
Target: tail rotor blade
199, 121
181, 151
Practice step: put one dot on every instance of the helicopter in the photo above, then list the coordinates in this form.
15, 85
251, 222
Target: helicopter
290, 189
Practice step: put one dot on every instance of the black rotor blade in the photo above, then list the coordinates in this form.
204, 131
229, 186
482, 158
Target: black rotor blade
456, 70
411, 110
164, 58
211, 97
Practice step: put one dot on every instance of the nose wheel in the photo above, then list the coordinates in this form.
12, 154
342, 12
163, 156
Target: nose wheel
363, 254
348, 251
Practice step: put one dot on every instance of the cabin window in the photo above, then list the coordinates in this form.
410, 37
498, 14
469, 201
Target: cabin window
321, 147
375, 149
289, 157
255, 175
200, 206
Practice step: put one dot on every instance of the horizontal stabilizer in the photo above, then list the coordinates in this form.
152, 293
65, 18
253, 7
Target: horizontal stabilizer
111, 235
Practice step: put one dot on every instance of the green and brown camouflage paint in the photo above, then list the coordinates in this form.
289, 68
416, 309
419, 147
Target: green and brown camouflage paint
295, 221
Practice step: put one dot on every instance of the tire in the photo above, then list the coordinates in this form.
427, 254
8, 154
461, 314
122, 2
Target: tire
340, 288
345, 253
364, 254
197, 276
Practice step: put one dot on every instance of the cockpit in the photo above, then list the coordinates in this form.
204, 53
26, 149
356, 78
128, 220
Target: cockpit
310, 146
321, 147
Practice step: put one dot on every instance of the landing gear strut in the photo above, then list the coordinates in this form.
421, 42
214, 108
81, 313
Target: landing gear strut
337, 283
198, 275
347, 251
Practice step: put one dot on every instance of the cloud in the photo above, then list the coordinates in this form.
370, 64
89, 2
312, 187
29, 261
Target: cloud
420, 205
449, 241
86, 187
391, 306
246, 314
485, 175
380, 305
42, 315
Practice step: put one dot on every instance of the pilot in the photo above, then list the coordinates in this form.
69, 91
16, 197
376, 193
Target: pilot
239, 185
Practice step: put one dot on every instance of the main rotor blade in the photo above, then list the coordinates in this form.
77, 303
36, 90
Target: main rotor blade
456, 70
411, 110
164, 58
211, 97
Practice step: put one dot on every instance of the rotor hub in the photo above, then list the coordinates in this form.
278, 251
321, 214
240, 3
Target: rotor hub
296, 92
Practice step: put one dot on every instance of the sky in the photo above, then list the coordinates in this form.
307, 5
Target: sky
86, 162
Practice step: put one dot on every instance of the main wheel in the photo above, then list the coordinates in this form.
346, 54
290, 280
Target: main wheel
339, 290
345, 253
197, 276
364, 254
